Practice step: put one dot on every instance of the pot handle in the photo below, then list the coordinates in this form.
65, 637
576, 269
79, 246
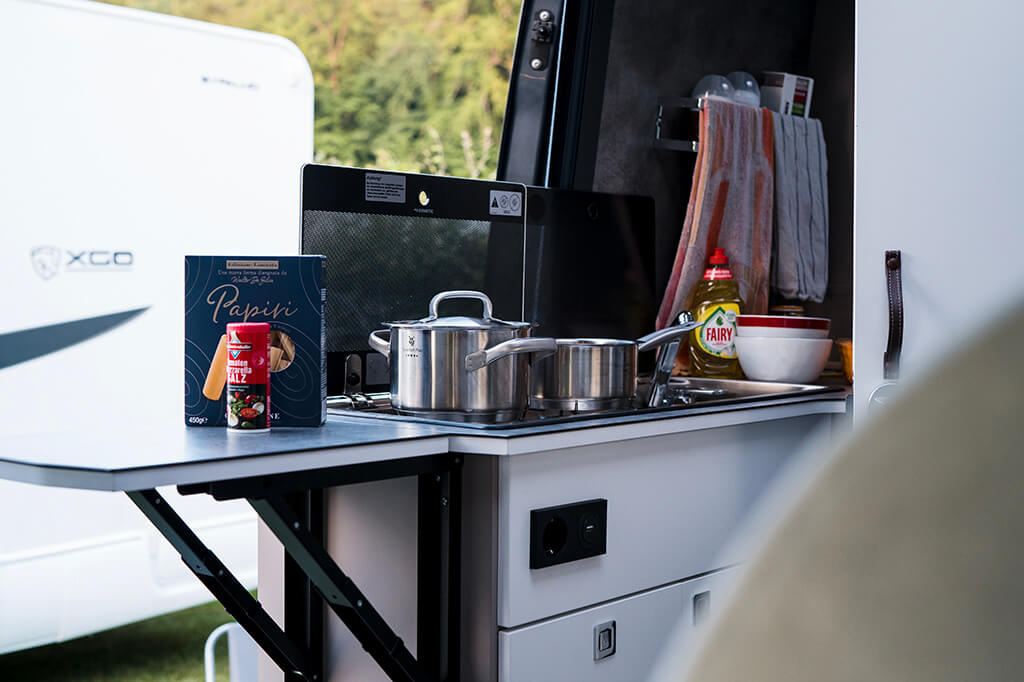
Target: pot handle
380, 345
475, 361
460, 293
663, 336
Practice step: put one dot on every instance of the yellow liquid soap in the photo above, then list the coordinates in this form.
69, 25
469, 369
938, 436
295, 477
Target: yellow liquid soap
716, 303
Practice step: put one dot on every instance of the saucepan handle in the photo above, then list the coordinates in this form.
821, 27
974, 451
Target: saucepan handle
480, 358
380, 345
663, 336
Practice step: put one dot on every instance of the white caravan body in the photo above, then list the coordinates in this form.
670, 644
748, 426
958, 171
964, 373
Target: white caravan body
127, 139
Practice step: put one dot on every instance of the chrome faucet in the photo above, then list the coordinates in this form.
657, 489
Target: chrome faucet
666, 362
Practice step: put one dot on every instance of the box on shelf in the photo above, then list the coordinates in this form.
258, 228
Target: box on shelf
288, 293
787, 93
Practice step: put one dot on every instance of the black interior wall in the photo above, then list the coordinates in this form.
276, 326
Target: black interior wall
830, 63
663, 47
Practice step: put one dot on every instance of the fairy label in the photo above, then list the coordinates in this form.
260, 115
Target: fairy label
718, 334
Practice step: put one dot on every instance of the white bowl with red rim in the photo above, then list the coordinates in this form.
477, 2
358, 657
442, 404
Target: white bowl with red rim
797, 361
782, 326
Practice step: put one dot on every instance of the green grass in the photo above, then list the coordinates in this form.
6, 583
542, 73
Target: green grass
168, 648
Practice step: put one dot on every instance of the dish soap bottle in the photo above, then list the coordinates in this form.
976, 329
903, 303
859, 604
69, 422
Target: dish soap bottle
716, 303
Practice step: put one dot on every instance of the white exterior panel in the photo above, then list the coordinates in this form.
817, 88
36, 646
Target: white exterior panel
131, 133
938, 174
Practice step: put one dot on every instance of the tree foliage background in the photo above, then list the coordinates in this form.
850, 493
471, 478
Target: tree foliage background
410, 85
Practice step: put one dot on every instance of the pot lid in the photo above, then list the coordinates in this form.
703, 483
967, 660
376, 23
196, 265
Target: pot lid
433, 321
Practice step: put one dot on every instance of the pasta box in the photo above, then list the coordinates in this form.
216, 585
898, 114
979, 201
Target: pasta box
285, 291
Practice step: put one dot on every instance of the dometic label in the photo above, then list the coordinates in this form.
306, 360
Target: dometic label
389, 188
506, 203
718, 335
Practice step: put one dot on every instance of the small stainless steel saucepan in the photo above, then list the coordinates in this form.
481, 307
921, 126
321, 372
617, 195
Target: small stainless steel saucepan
585, 374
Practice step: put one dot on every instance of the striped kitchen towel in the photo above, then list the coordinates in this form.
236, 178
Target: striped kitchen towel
730, 206
800, 243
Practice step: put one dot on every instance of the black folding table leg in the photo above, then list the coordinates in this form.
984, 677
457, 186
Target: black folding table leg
224, 586
340, 593
438, 558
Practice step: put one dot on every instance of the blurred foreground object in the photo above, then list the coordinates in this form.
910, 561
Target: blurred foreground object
902, 560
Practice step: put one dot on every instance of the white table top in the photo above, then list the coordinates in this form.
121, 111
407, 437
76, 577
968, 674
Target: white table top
123, 457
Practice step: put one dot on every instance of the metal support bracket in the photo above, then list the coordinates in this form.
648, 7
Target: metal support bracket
542, 34
341, 594
438, 561
689, 103
242, 606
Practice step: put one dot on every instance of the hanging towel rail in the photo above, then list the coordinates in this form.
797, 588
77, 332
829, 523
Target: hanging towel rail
690, 103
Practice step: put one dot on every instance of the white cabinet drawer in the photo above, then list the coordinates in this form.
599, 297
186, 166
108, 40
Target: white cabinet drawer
673, 503
563, 648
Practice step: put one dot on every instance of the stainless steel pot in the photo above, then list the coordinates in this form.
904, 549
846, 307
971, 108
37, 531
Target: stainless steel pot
587, 374
429, 373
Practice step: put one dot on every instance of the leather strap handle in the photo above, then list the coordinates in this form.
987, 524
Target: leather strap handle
894, 287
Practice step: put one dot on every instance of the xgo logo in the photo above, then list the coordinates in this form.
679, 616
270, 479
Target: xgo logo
48, 261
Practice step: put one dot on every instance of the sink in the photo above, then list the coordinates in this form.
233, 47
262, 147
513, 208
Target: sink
693, 390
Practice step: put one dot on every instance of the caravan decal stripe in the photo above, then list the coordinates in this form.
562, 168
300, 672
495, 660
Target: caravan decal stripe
27, 344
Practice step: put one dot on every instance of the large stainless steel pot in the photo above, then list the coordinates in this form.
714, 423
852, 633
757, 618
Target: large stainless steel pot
429, 374
587, 374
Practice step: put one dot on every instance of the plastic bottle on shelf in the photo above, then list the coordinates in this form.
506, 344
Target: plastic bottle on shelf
716, 303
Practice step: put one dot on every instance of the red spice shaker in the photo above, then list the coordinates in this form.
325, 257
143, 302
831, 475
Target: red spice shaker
248, 357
